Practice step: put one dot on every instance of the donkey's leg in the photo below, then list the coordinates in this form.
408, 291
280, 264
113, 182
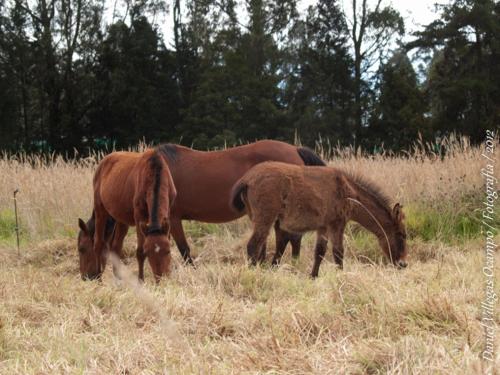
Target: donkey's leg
319, 252
140, 254
337, 237
180, 240
257, 240
117, 243
281, 242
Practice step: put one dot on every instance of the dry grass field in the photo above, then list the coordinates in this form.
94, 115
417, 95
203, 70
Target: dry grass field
224, 318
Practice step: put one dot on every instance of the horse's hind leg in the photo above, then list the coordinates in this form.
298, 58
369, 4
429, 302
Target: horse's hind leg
281, 242
295, 240
319, 252
257, 240
180, 240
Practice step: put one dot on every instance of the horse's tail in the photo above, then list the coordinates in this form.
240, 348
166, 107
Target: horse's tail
309, 157
238, 196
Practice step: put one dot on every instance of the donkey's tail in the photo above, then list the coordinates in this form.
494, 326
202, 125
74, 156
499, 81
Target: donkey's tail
309, 157
238, 196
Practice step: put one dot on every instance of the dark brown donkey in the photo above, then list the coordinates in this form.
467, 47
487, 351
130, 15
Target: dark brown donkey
321, 199
133, 189
204, 180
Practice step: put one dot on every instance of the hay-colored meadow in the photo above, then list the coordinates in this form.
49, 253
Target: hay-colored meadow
226, 318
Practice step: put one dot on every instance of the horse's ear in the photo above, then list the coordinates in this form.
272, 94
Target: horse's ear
83, 226
165, 226
397, 212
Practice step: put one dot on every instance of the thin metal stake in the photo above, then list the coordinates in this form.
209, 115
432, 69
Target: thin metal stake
17, 222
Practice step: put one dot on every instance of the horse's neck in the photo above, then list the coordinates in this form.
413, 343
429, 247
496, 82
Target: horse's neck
157, 202
368, 212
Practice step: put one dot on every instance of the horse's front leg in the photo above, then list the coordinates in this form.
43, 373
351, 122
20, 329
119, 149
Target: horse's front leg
117, 243
140, 253
180, 240
263, 252
101, 216
337, 237
319, 252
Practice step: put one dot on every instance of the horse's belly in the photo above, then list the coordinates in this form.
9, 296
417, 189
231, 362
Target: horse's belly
298, 226
302, 215
206, 214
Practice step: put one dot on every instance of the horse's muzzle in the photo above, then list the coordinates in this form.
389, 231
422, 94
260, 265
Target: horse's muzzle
401, 264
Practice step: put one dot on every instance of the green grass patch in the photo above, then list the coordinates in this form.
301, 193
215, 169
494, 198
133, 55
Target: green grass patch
7, 224
197, 230
443, 222
447, 222
451, 223
8, 229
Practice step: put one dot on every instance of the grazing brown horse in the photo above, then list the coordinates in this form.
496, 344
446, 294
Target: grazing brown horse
204, 180
320, 199
133, 189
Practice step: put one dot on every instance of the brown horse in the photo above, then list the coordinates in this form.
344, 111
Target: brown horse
133, 189
204, 180
321, 199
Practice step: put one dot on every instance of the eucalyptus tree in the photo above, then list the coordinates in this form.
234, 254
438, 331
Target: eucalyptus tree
372, 30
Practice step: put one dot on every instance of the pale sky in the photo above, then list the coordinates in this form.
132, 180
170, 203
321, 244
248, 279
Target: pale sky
415, 12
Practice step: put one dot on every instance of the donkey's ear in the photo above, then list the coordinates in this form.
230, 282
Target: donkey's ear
165, 226
83, 226
397, 212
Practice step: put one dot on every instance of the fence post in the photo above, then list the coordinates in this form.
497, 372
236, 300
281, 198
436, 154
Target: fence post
17, 222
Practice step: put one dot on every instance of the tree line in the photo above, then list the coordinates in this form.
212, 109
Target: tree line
85, 74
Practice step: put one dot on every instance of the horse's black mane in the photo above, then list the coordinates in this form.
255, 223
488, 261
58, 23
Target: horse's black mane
372, 189
156, 165
169, 151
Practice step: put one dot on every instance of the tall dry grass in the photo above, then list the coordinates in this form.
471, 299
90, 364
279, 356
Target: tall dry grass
54, 192
226, 318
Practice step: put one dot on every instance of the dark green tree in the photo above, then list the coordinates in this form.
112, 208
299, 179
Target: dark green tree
46, 46
464, 75
137, 74
319, 89
399, 114
15, 60
238, 95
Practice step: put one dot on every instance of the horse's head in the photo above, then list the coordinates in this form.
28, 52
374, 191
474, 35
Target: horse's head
157, 249
397, 238
89, 265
